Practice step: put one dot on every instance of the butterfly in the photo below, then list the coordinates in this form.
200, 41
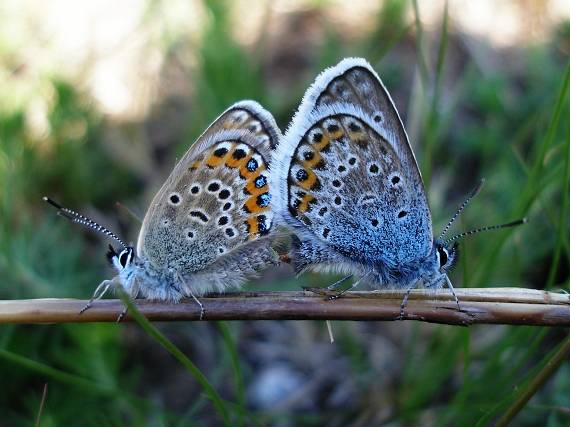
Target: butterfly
208, 227
349, 186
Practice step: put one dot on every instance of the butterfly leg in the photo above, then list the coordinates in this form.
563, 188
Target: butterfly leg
188, 291
122, 315
202, 310
134, 295
329, 288
98, 294
336, 284
450, 286
404, 302
351, 287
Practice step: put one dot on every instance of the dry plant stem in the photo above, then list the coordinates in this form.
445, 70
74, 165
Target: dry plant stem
514, 306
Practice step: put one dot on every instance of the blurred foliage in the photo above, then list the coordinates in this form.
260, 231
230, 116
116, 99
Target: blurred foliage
487, 112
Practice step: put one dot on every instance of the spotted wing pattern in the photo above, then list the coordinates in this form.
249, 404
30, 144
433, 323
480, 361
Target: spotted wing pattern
347, 186
217, 198
352, 180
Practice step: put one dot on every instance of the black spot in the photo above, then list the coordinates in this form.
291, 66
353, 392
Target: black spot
195, 189
224, 194
252, 165
374, 222
402, 214
373, 168
260, 181
190, 234
263, 200
352, 161
323, 211
395, 180
227, 206
252, 128
223, 220
221, 152
442, 256
333, 128
354, 127
302, 175
175, 199
123, 258
221, 250
326, 232
308, 155
230, 232
336, 183
337, 200
306, 220
341, 168
198, 214
239, 154
261, 225
317, 137
377, 118
214, 186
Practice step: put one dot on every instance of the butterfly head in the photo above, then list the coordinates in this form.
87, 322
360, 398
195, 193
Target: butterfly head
122, 260
446, 255
433, 269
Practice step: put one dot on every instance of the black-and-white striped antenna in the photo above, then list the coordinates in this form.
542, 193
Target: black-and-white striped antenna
83, 220
473, 193
487, 228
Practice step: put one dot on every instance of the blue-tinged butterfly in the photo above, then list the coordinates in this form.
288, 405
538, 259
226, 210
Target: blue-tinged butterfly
349, 186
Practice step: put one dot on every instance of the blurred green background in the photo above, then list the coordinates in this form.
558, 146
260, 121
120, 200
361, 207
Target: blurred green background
98, 99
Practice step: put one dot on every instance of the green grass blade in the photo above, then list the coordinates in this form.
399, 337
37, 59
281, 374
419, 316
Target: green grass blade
549, 368
422, 57
547, 141
71, 379
563, 214
56, 374
532, 189
432, 125
179, 355
234, 357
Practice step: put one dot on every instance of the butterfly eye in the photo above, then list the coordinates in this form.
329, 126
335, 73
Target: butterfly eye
443, 256
125, 257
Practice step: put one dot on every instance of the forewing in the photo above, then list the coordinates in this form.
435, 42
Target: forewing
351, 179
217, 198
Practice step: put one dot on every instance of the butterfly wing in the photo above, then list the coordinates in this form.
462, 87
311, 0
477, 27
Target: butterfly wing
347, 175
217, 198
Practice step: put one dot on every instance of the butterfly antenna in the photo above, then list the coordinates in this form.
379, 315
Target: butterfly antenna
488, 228
83, 220
473, 193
